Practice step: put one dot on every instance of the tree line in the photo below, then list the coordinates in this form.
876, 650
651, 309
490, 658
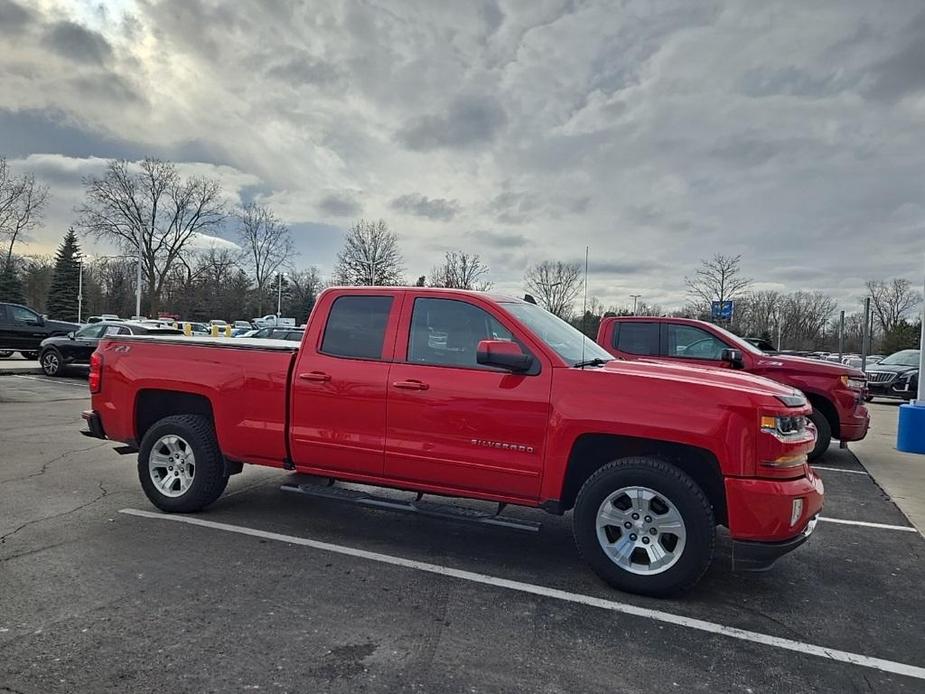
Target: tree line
150, 211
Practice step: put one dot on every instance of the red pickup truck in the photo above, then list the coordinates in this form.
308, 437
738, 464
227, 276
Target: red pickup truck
836, 392
474, 395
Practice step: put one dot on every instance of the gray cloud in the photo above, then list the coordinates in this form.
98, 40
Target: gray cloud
468, 122
340, 204
13, 17
432, 208
77, 43
498, 239
903, 72
305, 69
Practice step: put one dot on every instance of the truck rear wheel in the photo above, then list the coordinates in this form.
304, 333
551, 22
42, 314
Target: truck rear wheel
179, 464
823, 434
645, 527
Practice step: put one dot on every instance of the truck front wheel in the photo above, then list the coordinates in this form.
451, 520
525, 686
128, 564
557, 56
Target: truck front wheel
179, 464
645, 527
823, 434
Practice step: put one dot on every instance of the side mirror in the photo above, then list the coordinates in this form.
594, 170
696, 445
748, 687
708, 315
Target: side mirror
42, 319
733, 356
504, 354
70, 335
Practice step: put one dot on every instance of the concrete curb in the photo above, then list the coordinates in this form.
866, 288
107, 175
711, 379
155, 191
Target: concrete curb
7, 371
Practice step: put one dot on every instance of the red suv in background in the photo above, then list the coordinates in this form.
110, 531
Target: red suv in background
835, 391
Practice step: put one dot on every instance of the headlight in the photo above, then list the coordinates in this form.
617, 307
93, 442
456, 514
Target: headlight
783, 426
854, 382
909, 376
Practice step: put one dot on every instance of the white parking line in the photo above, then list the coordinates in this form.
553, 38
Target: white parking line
51, 380
556, 594
841, 469
883, 526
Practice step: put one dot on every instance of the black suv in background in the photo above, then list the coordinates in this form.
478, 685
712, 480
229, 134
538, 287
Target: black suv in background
897, 376
22, 330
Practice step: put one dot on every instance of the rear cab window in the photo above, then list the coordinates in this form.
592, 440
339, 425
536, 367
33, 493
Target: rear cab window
356, 327
637, 337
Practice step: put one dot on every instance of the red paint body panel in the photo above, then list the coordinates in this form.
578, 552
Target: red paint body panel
813, 377
478, 432
760, 509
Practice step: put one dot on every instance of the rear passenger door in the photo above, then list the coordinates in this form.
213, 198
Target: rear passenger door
339, 387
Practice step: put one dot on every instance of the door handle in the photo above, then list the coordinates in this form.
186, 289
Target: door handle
318, 376
410, 385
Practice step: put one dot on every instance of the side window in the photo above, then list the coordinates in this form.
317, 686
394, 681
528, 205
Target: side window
634, 337
445, 332
22, 316
693, 343
356, 327
90, 331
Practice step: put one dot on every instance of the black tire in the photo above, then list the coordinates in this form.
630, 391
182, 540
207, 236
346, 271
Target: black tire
6, 353
32, 356
674, 485
209, 476
823, 434
868, 398
52, 362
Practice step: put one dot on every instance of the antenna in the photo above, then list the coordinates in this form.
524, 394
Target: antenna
584, 310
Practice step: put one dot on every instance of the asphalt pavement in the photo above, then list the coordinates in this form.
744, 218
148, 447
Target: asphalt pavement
270, 591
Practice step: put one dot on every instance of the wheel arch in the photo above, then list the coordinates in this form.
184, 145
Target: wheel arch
591, 451
153, 404
827, 408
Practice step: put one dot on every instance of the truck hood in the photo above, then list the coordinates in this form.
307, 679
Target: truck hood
802, 365
60, 326
706, 376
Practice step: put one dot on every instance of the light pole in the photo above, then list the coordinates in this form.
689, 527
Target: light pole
279, 296
635, 299
80, 287
138, 279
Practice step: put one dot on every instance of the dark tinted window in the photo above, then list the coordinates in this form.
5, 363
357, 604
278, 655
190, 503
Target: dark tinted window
447, 333
356, 326
693, 343
91, 331
23, 316
637, 338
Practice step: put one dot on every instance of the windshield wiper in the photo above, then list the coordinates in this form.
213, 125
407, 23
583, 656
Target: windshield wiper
590, 362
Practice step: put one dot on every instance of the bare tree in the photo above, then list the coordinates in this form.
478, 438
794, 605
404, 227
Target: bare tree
461, 270
717, 279
302, 291
370, 256
891, 301
151, 205
555, 285
266, 245
22, 202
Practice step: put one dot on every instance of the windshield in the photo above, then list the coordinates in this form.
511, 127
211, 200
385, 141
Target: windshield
908, 357
565, 340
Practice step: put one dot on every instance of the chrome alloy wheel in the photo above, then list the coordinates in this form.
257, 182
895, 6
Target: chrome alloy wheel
640, 530
172, 465
50, 363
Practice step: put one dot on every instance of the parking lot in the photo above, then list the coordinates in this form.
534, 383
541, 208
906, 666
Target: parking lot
271, 591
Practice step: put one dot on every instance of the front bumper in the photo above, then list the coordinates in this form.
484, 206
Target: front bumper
94, 424
761, 510
760, 556
902, 390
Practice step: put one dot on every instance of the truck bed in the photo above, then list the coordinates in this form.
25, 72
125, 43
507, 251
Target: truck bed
243, 381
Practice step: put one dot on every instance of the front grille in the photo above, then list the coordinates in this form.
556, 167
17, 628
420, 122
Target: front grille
881, 377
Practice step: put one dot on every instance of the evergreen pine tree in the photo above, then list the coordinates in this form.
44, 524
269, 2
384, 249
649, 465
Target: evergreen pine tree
10, 284
62, 295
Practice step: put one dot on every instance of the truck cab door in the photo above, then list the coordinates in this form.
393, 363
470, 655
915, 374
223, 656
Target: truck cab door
340, 384
25, 328
692, 345
456, 424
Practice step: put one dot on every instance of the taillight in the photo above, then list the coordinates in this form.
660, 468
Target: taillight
96, 372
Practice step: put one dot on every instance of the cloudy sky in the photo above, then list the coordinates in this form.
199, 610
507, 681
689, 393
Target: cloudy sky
656, 133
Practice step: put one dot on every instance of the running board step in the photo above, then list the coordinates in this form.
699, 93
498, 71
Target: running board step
424, 508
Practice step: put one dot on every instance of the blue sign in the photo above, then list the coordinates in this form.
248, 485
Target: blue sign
721, 310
